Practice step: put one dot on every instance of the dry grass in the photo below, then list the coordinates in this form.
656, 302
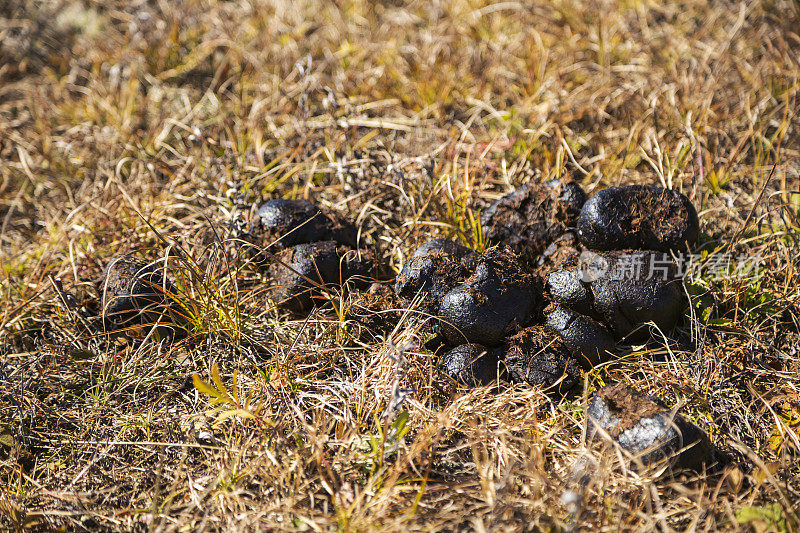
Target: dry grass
123, 121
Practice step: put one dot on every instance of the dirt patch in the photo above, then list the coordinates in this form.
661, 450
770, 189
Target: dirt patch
528, 219
375, 309
638, 216
564, 250
627, 407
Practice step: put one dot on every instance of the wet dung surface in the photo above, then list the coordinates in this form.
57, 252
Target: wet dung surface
281, 223
437, 267
128, 287
528, 219
497, 299
589, 341
623, 290
638, 216
299, 271
568, 287
644, 427
540, 358
471, 365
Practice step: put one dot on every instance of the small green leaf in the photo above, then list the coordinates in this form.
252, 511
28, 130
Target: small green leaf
6, 442
772, 515
81, 355
399, 426
218, 381
205, 388
232, 412
235, 385
718, 322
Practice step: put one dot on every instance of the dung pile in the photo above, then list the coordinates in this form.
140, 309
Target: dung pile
565, 281
132, 291
625, 280
530, 218
305, 251
603, 262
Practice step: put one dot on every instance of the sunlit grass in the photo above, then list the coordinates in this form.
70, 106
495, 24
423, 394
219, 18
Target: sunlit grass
156, 128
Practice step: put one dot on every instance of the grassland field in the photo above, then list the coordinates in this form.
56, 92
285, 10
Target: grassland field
156, 127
